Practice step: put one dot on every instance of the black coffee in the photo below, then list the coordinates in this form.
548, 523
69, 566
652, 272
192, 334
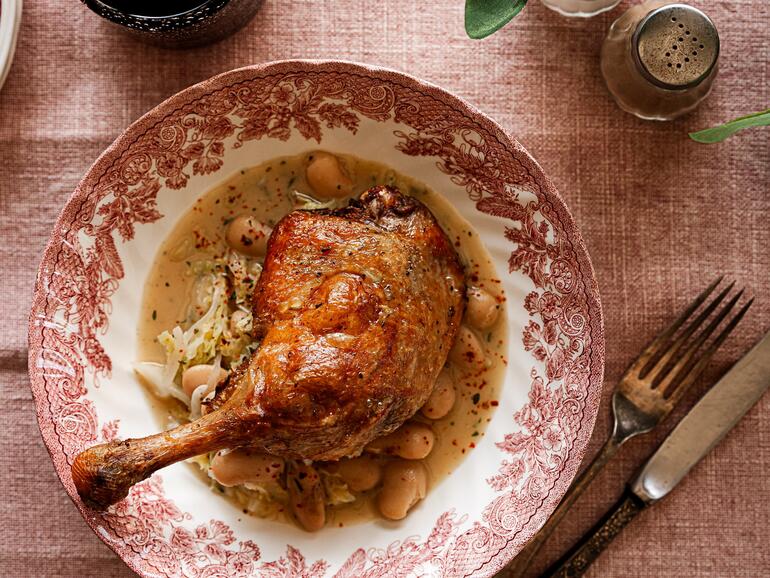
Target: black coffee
155, 8
177, 23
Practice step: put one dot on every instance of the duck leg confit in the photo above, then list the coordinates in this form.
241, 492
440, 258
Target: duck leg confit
356, 309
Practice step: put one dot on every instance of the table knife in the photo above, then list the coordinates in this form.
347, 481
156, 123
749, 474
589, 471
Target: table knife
704, 426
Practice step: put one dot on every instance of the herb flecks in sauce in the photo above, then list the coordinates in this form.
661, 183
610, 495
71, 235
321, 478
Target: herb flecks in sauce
199, 236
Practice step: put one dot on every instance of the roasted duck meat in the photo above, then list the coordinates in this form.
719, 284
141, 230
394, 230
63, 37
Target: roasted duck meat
356, 310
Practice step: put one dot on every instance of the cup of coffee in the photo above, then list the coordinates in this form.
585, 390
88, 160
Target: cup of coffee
177, 23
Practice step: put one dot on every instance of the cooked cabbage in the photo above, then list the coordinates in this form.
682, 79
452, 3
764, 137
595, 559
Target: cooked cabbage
337, 491
219, 333
309, 203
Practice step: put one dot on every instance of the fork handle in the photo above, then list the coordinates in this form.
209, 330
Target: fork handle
521, 563
587, 550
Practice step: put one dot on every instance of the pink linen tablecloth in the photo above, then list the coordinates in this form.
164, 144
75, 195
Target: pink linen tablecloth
661, 215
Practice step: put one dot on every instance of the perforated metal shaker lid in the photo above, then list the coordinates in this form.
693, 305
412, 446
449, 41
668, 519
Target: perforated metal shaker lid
676, 46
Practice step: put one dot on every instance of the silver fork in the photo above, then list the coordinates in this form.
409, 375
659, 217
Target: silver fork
646, 394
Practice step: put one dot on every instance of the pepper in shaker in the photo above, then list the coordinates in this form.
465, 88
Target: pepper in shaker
659, 59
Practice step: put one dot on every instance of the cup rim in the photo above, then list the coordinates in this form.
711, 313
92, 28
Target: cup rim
205, 8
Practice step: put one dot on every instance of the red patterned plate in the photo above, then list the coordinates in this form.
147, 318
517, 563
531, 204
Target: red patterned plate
82, 323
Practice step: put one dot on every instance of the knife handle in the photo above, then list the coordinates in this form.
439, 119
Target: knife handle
591, 545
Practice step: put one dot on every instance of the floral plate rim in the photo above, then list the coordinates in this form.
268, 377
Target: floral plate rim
155, 116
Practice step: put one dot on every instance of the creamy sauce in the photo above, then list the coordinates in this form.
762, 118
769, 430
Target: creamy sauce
264, 192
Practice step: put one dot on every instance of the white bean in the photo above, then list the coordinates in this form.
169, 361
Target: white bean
483, 308
442, 398
360, 474
306, 496
241, 466
412, 441
467, 351
327, 177
240, 322
403, 485
197, 375
247, 235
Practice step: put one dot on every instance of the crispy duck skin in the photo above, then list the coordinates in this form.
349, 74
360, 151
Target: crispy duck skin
356, 309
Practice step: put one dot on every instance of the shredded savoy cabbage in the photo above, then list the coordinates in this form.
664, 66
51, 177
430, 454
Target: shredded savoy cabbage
218, 333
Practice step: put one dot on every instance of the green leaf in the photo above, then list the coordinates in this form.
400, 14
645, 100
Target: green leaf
483, 17
719, 133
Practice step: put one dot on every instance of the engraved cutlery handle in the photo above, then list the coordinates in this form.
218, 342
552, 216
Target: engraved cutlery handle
520, 564
576, 561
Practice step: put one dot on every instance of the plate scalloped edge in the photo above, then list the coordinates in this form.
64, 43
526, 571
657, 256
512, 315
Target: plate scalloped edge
186, 134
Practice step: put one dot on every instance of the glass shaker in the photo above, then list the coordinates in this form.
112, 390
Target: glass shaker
583, 8
660, 59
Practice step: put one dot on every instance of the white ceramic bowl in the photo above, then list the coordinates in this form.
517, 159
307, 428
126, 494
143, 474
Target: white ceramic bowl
82, 325
10, 20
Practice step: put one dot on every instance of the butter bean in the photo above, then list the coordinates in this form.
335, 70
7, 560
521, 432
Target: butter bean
442, 398
327, 177
412, 441
403, 485
306, 496
240, 322
467, 351
197, 375
360, 474
482, 310
247, 235
241, 466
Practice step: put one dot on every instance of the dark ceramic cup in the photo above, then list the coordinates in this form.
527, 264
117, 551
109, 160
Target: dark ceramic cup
177, 23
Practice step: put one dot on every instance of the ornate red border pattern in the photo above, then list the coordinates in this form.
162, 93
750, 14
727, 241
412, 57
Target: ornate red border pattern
188, 135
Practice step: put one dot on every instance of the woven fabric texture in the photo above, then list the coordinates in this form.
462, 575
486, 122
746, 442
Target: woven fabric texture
662, 216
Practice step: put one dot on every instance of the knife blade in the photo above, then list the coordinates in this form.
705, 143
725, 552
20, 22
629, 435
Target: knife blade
717, 412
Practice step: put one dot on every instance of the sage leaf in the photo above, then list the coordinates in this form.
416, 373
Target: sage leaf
484, 17
719, 133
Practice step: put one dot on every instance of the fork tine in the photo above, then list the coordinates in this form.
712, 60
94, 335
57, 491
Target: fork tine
695, 371
676, 374
657, 344
657, 364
